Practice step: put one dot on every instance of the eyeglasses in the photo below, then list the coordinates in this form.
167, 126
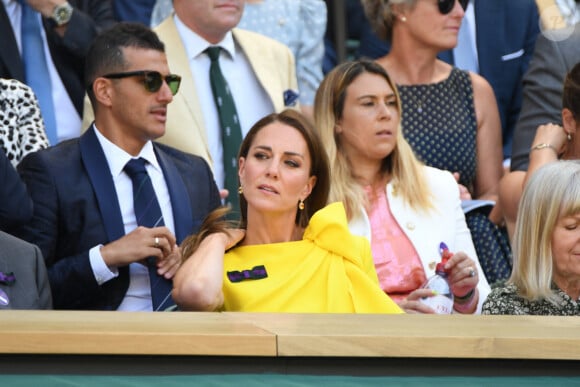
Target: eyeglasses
152, 80
445, 6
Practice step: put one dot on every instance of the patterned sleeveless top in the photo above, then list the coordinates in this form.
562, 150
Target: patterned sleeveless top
440, 125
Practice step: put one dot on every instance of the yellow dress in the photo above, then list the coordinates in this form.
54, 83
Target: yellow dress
330, 271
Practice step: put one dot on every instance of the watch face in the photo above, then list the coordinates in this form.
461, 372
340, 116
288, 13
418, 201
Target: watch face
62, 14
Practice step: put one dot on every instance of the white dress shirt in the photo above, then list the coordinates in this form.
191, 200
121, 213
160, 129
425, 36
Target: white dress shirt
252, 101
138, 296
465, 53
68, 121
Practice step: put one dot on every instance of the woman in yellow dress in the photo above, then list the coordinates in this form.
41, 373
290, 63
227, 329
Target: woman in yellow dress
291, 254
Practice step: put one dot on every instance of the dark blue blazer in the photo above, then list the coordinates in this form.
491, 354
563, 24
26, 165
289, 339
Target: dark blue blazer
506, 32
68, 52
134, 10
15, 203
76, 208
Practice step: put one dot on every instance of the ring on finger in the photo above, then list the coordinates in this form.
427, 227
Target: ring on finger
156, 241
472, 272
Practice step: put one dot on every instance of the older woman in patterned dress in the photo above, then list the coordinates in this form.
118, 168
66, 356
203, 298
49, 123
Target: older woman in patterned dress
546, 274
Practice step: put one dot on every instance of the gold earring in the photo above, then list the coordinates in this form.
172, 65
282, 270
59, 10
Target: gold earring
301, 205
240, 190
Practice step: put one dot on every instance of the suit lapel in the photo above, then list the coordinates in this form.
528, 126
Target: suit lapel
9, 53
261, 60
180, 201
95, 164
179, 64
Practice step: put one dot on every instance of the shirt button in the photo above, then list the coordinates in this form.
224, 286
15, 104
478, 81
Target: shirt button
411, 226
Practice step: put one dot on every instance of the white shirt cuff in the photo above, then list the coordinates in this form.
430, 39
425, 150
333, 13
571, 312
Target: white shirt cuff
100, 269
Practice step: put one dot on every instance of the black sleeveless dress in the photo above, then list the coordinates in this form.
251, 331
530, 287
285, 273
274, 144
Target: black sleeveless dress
439, 123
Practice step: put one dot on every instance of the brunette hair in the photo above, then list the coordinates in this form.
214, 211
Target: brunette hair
318, 167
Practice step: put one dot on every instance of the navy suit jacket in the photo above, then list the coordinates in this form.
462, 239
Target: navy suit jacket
68, 53
134, 10
76, 208
506, 32
15, 203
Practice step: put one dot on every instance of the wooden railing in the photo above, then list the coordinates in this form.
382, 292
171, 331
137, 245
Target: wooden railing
29, 338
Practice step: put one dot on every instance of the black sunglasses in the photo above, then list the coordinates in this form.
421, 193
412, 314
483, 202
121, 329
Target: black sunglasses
152, 80
445, 6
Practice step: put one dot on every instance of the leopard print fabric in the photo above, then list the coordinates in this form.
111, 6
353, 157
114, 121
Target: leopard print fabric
21, 124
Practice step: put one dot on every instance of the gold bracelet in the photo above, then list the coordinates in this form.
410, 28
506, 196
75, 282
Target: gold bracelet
544, 145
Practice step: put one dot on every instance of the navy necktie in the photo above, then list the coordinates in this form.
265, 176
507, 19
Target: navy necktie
36, 68
148, 214
231, 131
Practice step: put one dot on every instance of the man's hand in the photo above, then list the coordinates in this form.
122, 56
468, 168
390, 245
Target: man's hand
168, 265
139, 244
45, 7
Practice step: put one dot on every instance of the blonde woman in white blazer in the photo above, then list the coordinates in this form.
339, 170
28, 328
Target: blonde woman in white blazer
376, 175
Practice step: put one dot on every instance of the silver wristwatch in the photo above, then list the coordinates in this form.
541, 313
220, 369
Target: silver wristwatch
62, 13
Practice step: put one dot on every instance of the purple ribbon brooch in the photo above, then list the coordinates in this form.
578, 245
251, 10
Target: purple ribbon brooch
257, 272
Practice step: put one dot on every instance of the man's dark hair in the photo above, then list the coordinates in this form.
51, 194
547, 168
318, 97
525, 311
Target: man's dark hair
105, 54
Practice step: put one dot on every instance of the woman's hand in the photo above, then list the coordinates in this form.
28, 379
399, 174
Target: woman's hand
463, 279
234, 236
412, 303
463, 191
551, 134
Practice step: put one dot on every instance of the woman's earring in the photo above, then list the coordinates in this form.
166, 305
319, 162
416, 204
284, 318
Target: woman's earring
403, 19
301, 205
240, 190
569, 137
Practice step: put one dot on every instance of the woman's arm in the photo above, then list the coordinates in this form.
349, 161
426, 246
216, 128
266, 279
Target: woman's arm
488, 145
548, 144
197, 285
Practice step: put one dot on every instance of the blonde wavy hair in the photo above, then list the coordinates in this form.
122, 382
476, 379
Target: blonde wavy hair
552, 192
405, 169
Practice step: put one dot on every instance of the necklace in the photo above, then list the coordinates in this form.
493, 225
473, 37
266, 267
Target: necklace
418, 97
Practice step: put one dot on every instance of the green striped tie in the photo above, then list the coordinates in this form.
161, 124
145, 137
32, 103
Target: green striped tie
230, 129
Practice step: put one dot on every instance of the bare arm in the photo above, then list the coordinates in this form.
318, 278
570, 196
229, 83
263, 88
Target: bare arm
488, 144
198, 283
552, 141
550, 134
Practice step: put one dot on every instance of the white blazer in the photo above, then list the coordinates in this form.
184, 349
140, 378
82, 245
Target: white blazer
445, 223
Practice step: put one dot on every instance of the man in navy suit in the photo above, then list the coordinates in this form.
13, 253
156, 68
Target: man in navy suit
84, 218
505, 35
67, 38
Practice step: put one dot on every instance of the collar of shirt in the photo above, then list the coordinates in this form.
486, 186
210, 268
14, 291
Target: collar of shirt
117, 157
195, 45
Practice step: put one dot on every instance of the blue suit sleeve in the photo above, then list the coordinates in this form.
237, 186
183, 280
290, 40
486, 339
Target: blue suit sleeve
15, 203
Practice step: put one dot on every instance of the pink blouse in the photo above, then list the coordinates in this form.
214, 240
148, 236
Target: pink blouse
398, 266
